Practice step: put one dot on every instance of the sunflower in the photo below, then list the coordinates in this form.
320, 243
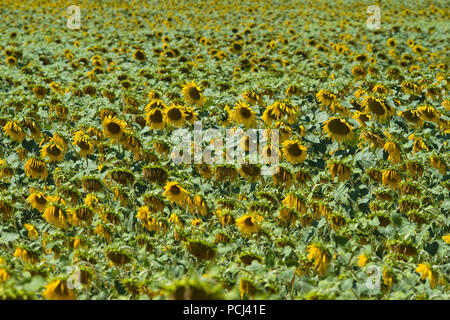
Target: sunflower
410, 87
362, 260
246, 286
380, 89
252, 97
391, 177
284, 131
13, 130
375, 106
58, 290
326, 97
4, 275
25, 254
361, 117
155, 119
287, 216
82, 141
282, 176
439, 163
200, 205
250, 171
81, 214
242, 113
359, 72
446, 238
428, 113
11, 61
223, 172
139, 55
53, 151
338, 129
148, 221
189, 114
338, 168
36, 168
411, 116
38, 201
393, 150
268, 115
6, 171
295, 201
32, 232
174, 115
55, 215
426, 272
39, 91
200, 249
193, 94
294, 152
175, 193
320, 256
113, 127
248, 224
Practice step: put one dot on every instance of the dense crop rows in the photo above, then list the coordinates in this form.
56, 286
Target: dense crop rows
92, 206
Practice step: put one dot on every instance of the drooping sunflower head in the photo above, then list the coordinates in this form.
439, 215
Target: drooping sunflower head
13, 130
193, 94
391, 178
376, 106
53, 151
200, 249
82, 141
155, 119
338, 129
294, 151
55, 215
36, 168
38, 201
251, 97
428, 113
361, 117
412, 116
223, 172
326, 97
58, 290
359, 72
189, 114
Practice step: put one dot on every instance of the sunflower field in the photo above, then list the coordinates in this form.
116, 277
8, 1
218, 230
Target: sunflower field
93, 206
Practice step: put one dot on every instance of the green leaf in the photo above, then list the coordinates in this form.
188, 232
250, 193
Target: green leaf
432, 248
10, 236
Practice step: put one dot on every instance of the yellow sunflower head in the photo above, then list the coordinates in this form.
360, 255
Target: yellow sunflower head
174, 115
242, 113
294, 151
139, 55
248, 224
338, 129
58, 290
13, 130
53, 151
193, 94
38, 201
113, 127
82, 141
175, 193
36, 168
